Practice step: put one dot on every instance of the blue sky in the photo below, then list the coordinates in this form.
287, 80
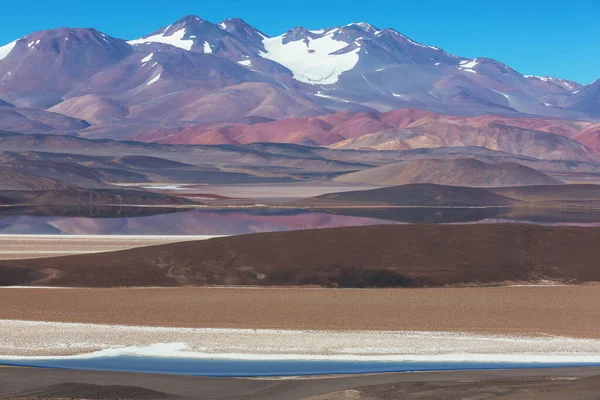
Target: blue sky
553, 37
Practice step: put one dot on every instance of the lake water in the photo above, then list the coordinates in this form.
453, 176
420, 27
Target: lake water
232, 221
249, 368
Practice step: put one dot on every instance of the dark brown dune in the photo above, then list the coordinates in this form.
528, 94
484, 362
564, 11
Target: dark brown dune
458, 172
374, 256
418, 194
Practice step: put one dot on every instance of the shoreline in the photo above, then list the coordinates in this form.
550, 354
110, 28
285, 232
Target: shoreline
38, 340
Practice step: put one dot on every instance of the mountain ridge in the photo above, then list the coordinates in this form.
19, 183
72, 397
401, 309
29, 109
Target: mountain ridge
142, 84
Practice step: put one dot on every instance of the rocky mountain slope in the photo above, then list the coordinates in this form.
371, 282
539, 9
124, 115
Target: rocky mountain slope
196, 72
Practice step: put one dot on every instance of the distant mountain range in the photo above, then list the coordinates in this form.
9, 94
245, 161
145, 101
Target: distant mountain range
197, 74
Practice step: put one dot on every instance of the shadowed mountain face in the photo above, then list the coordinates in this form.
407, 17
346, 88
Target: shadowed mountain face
585, 100
187, 72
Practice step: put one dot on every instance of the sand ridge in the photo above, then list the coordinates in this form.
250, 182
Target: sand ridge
19, 247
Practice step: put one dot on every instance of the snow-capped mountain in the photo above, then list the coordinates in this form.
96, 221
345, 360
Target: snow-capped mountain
585, 99
194, 71
39, 69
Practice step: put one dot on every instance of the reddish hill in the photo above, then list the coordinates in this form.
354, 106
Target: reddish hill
394, 130
590, 137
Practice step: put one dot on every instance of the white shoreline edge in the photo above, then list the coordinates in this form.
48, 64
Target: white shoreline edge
453, 352
167, 350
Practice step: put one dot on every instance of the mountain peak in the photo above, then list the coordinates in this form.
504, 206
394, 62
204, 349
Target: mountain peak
188, 19
365, 26
241, 28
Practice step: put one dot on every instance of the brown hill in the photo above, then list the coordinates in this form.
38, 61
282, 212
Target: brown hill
418, 194
374, 256
461, 172
91, 108
590, 137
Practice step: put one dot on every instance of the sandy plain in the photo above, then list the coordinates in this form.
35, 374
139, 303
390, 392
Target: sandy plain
557, 324
571, 310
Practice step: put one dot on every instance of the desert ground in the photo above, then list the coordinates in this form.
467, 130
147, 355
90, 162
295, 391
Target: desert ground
538, 321
571, 310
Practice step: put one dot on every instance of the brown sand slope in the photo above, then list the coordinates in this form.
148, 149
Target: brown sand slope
459, 172
413, 195
19, 247
374, 256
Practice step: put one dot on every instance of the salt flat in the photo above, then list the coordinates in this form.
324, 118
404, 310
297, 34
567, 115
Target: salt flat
19, 339
14, 247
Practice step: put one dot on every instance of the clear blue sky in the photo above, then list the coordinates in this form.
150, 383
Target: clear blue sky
553, 37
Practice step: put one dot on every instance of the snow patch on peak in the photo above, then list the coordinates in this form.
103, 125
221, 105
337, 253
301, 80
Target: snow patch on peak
312, 60
223, 25
153, 80
246, 63
468, 65
207, 48
541, 78
147, 58
325, 96
6, 49
176, 39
